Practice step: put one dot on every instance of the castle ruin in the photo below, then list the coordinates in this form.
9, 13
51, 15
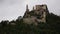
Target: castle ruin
37, 15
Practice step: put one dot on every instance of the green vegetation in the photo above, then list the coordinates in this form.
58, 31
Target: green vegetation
52, 26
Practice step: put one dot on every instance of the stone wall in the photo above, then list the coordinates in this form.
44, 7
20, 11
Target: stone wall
40, 11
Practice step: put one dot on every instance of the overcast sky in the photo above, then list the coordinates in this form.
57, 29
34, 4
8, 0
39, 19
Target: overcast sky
11, 9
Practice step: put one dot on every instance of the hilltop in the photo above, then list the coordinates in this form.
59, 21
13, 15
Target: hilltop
51, 26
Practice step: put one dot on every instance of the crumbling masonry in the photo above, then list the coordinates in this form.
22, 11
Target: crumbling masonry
37, 15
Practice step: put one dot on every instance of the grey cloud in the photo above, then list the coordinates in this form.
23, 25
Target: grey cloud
11, 9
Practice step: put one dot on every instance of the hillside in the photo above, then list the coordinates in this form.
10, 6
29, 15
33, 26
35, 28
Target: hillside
52, 26
49, 24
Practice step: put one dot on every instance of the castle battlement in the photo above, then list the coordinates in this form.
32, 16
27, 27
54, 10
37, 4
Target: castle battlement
38, 7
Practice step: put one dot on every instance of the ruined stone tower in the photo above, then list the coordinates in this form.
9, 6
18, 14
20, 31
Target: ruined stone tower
37, 15
41, 10
27, 8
